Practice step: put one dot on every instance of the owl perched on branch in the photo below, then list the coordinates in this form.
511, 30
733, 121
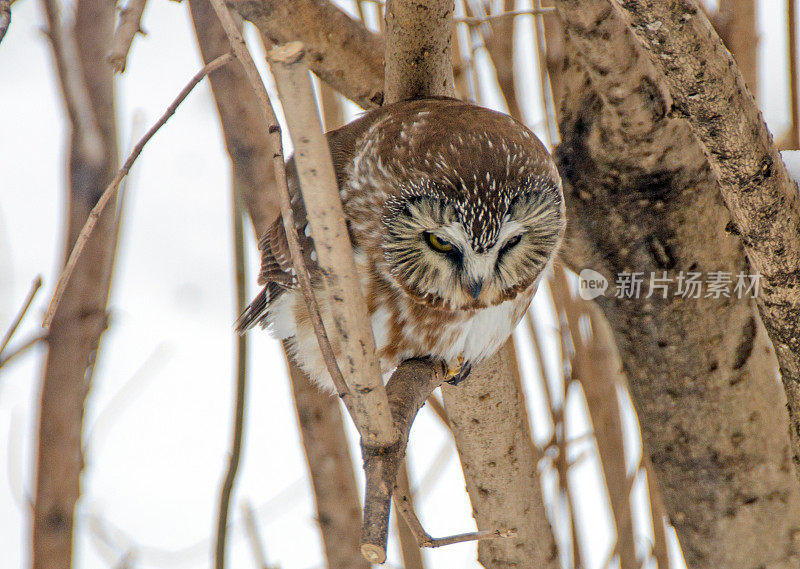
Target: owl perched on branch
453, 211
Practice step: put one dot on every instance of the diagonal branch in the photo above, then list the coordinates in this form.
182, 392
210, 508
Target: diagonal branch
111, 189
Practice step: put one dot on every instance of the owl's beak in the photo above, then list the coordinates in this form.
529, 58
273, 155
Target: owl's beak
475, 289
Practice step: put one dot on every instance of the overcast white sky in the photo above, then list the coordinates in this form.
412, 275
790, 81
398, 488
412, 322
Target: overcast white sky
157, 452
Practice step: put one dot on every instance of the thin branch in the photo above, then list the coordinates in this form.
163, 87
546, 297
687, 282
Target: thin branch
409, 542
254, 536
130, 22
477, 21
402, 501
110, 190
27, 344
35, 286
241, 379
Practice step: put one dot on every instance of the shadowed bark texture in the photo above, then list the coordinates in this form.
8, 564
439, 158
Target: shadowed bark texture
80, 320
642, 197
488, 419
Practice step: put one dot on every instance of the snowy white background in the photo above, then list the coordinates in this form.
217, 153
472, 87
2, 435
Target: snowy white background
158, 416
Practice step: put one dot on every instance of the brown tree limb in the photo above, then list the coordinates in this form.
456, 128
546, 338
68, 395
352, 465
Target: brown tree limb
486, 416
130, 22
237, 432
74, 91
709, 92
243, 123
331, 469
419, 61
110, 190
701, 371
77, 326
341, 51
737, 25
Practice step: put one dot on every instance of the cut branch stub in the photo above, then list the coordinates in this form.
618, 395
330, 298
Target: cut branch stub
407, 390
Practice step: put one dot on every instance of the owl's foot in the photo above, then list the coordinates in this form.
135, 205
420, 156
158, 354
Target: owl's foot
458, 373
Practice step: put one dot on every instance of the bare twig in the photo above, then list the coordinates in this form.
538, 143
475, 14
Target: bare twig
241, 380
27, 344
130, 22
409, 544
35, 286
243, 123
5, 17
110, 190
402, 501
254, 536
418, 54
477, 21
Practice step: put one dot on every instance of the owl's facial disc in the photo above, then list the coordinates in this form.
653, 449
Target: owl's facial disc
433, 257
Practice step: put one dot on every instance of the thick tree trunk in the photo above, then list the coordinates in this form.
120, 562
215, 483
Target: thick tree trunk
80, 320
642, 198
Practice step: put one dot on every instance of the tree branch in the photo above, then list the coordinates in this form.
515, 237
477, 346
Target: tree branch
419, 61
130, 22
709, 92
341, 51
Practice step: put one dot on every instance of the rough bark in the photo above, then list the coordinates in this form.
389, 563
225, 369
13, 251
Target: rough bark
331, 469
74, 334
487, 417
419, 61
243, 123
342, 52
642, 196
709, 92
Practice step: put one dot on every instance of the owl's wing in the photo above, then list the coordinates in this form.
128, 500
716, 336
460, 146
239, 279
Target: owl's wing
277, 273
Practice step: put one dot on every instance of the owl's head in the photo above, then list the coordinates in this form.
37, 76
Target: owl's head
475, 211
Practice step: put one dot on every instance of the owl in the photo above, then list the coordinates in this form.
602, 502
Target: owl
453, 210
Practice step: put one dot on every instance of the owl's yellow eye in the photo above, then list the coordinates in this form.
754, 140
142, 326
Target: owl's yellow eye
438, 244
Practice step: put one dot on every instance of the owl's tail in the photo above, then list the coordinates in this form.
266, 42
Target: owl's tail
256, 312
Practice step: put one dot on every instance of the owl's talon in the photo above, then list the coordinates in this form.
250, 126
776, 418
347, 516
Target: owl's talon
460, 373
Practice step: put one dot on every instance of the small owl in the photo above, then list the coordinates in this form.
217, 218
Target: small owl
454, 211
